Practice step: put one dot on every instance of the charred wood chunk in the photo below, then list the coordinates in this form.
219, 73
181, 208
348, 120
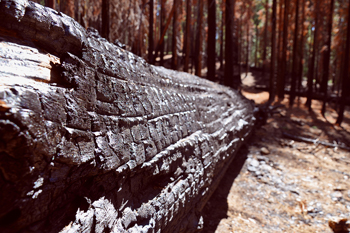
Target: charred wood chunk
94, 139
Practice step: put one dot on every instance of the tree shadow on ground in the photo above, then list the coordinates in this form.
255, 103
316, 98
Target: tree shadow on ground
217, 207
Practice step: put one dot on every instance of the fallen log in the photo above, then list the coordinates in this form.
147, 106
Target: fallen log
314, 141
94, 139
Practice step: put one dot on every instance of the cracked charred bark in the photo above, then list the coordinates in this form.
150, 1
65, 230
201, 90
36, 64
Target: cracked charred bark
94, 139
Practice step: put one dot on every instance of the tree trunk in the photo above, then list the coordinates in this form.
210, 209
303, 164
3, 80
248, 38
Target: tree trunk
326, 59
211, 39
150, 32
77, 12
345, 81
105, 19
78, 152
310, 78
280, 36
67, 7
222, 40
265, 37
256, 46
199, 39
273, 53
50, 3
301, 48
295, 57
174, 60
282, 78
248, 43
188, 35
229, 53
162, 31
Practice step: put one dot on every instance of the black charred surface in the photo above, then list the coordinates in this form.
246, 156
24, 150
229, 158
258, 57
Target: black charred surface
94, 139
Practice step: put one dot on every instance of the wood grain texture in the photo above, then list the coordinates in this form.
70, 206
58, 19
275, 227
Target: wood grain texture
94, 139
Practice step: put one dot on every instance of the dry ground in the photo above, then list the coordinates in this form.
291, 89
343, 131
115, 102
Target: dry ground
276, 184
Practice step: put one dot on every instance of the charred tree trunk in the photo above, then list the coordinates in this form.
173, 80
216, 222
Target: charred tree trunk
280, 37
174, 60
89, 141
162, 31
67, 7
282, 78
222, 40
248, 44
301, 49
313, 58
256, 46
199, 44
326, 59
105, 19
229, 79
150, 32
273, 53
50, 3
265, 38
188, 35
346, 70
295, 57
211, 39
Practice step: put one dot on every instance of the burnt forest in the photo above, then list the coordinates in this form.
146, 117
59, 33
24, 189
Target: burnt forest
213, 116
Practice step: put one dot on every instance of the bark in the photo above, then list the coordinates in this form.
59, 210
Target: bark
50, 3
211, 39
301, 49
174, 59
273, 53
310, 78
199, 40
256, 46
160, 43
248, 44
222, 40
345, 73
265, 38
162, 33
188, 35
77, 10
326, 59
105, 19
280, 36
295, 57
94, 139
67, 7
228, 77
150, 32
231, 53
282, 78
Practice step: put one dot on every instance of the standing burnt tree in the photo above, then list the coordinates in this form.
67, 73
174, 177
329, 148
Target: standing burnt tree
310, 79
211, 39
346, 69
230, 52
273, 53
150, 33
105, 19
326, 58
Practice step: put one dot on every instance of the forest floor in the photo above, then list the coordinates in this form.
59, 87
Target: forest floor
276, 184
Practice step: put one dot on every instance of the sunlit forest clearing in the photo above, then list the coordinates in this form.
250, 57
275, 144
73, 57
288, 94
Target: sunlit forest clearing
291, 57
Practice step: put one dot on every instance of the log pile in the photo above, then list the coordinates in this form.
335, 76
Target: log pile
94, 139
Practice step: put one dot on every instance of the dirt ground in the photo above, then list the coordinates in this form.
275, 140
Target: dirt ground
276, 184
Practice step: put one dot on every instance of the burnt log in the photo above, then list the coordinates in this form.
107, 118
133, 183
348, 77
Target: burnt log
94, 139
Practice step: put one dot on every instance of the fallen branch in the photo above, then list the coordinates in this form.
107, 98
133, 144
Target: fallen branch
314, 141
